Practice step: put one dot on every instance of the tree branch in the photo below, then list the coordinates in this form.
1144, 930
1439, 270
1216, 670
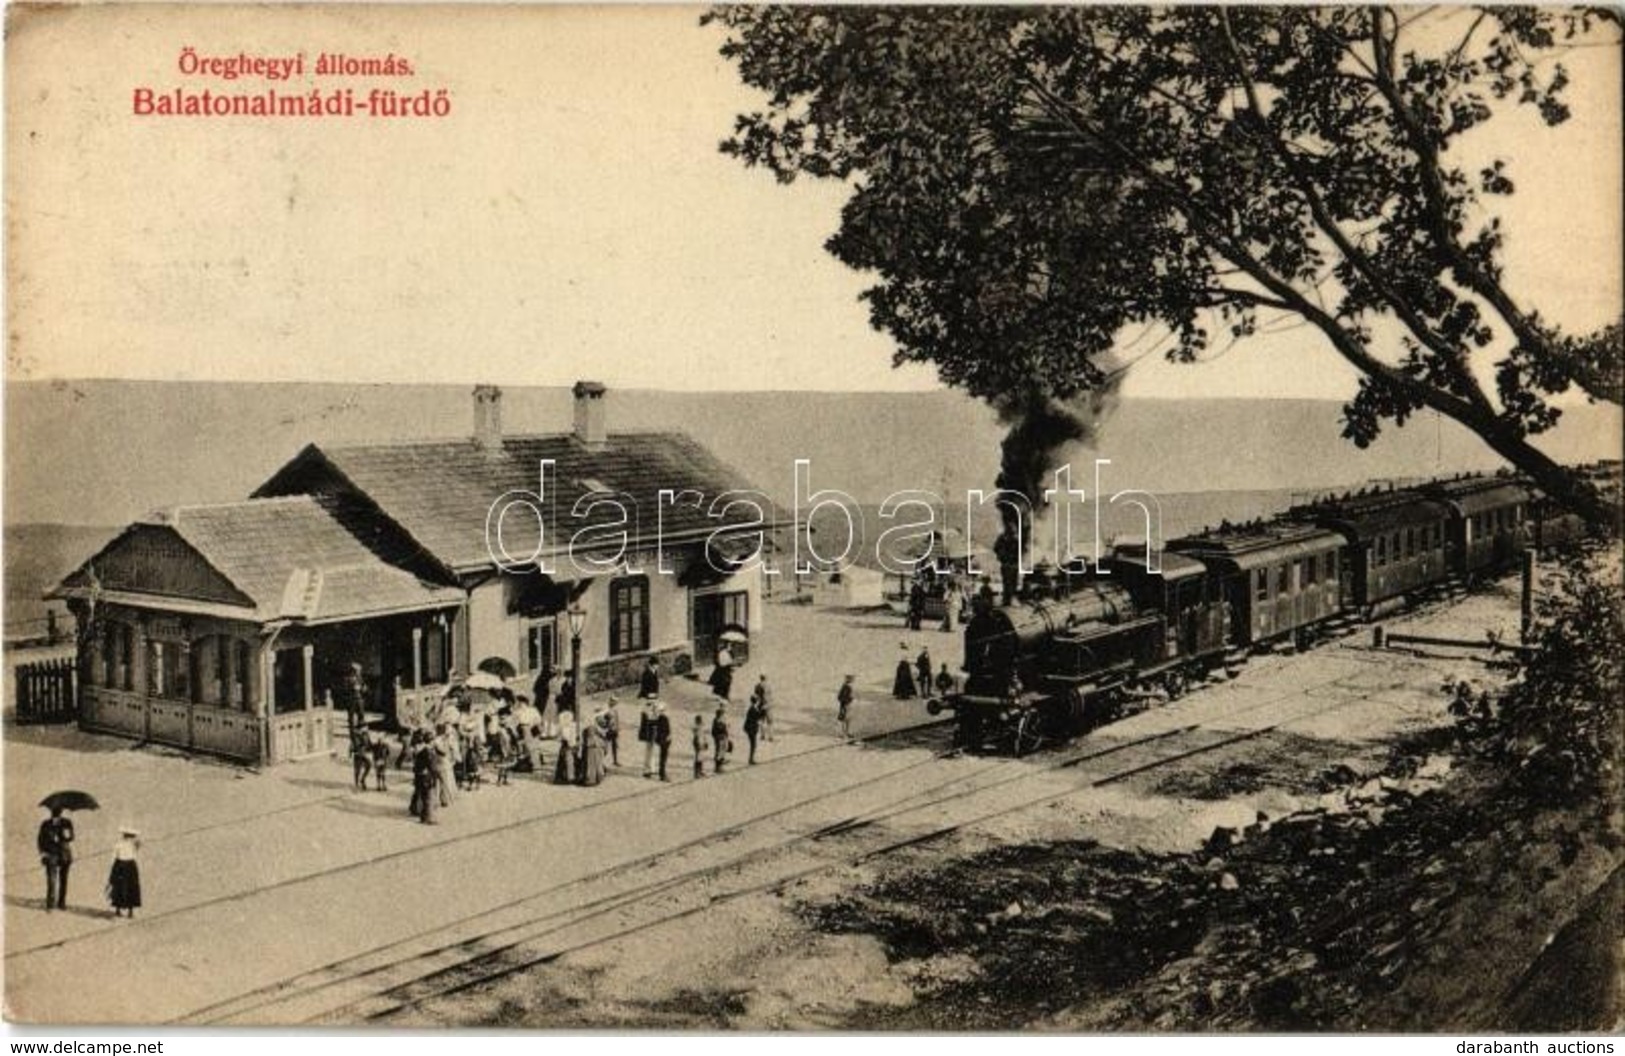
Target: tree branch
1435, 200
1212, 230
1452, 356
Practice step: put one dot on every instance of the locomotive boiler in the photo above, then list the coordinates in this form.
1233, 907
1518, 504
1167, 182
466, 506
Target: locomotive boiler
1052, 663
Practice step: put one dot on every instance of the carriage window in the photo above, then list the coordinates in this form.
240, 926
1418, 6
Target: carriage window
1261, 579
1410, 542
1309, 568
1331, 565
1283, 579
1382, 550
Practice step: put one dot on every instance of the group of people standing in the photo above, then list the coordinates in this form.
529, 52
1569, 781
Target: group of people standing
54, 842
713, 741
917, 679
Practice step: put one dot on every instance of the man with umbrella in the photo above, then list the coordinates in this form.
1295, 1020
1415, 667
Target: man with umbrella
55, 843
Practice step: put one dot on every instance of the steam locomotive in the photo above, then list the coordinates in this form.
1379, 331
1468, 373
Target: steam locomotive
1078, 641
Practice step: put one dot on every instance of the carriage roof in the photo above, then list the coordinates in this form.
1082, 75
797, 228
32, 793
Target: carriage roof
1253, 545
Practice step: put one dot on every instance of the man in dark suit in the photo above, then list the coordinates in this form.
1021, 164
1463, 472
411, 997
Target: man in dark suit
662, 737
649, 683
56, 854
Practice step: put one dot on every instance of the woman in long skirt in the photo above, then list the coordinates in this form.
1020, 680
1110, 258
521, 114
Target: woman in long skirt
124, 883
565, 772
903, 685
445, 753
592, 753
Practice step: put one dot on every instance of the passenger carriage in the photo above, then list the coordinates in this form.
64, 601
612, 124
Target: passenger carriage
1396, 544
1488, 524
1280, 577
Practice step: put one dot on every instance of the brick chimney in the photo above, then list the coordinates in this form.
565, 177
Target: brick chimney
488, 418
590, 429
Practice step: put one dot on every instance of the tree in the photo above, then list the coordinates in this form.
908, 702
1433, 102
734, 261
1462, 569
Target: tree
1026, 183
1558, 726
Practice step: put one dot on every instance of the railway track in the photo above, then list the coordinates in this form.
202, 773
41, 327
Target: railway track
624, 900
345, 867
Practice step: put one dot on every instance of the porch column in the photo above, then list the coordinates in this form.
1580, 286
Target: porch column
139, 661
188, 663
228, 669
92, 656
463, 651
417, 658
262, 691
308, 654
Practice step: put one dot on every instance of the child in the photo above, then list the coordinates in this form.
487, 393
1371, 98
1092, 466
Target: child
378, 744
124, 882
700, 746
843, 714
612, 732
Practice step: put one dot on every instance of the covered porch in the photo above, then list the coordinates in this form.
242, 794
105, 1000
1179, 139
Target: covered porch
254, 692
239, 630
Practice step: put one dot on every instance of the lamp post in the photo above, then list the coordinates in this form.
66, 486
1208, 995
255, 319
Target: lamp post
578, 620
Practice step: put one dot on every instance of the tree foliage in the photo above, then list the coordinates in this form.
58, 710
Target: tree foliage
1027, 182
1560, 726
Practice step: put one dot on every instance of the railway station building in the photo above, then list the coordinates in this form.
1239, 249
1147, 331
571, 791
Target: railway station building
226, 628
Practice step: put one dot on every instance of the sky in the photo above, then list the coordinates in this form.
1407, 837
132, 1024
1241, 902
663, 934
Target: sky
570, 218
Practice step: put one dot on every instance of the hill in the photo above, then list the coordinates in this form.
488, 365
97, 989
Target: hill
105, 452
37, 556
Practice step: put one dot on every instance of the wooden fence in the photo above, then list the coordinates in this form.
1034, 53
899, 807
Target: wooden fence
47, 691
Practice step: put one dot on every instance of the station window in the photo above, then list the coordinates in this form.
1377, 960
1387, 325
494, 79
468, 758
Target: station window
629, 615
541, 645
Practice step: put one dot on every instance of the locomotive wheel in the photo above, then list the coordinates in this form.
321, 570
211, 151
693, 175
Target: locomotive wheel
1028, 735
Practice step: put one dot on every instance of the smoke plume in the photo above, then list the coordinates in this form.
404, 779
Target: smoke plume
1041, 429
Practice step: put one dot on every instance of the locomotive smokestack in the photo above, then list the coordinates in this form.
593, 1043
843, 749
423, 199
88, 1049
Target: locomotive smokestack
1041, 427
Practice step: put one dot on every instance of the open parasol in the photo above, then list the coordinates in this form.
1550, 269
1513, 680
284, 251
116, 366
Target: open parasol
484, 680
70, 800
496, 665
734, 636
